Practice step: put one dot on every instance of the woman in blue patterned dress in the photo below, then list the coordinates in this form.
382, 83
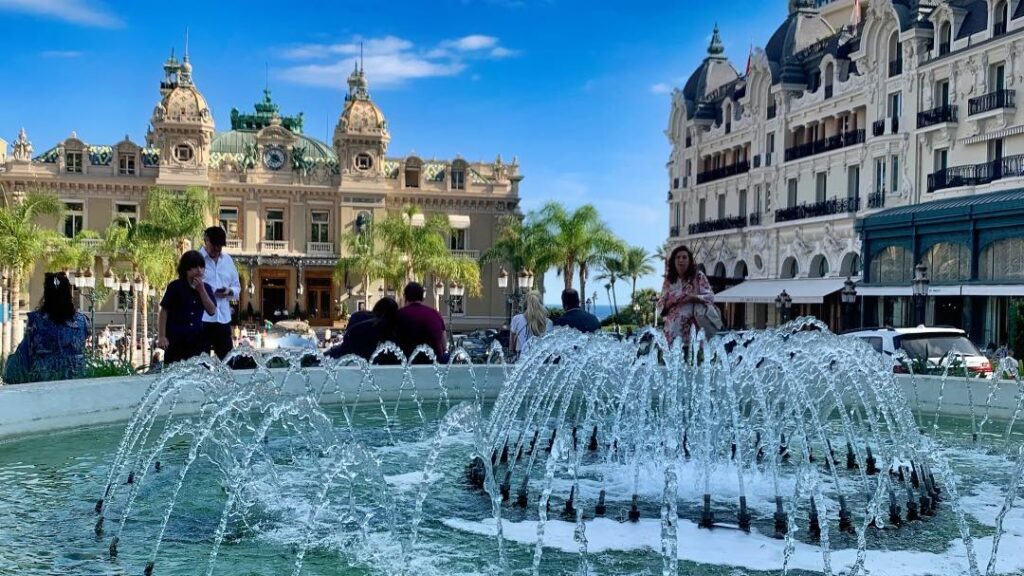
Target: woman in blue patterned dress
53, 347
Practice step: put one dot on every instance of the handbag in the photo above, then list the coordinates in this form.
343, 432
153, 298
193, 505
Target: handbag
709, 318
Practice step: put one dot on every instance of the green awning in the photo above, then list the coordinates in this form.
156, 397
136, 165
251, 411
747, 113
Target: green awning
960, 207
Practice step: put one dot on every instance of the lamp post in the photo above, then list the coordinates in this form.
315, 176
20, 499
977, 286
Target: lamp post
782, 304
455, 293
299, 291
920, 291
848, 296
84, 280
654, 309
251, 289
514, 295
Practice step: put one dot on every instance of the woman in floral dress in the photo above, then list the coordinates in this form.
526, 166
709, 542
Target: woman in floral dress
685, 286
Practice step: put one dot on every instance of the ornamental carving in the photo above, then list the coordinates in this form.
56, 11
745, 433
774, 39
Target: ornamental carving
22, 148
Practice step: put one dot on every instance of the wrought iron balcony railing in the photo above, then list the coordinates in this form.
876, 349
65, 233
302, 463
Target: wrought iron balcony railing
976, 174
936, 115
833, 206
831, 143
991, 101
723, 172
876, 199
727, 223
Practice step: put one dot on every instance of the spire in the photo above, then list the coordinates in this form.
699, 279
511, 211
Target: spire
186, 44
361, 68
357, 84
715, 48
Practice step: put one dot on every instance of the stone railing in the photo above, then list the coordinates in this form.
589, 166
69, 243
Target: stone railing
326, 248
470, 253
234, 244
274, 246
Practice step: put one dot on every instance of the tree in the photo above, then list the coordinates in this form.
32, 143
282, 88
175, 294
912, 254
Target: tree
636, 262
367, 258
578, 238
522, 244
23, 243
613, 272
421, 248
179, 216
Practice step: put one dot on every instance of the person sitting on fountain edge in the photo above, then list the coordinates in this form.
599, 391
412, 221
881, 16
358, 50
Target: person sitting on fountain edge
576, 317
364, 337
180, 325
53, 347
420, 324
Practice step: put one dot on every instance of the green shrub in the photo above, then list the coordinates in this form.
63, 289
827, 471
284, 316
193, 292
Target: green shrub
97, 367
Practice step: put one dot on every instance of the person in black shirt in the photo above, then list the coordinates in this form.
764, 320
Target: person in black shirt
180, 328
576, 317
363, 337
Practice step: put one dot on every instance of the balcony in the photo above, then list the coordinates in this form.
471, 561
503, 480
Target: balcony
878, 127
935, 116
320, 248
723, 172
757, 161
754, 219
274, 246
991, 101
831, 143
770, 112
833, 206
976, 174
876, 199
895, 68
727, 223
234, 244
669, 195
474, 254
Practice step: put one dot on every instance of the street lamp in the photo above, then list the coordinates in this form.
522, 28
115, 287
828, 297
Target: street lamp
920, 291
782, 304
251, 289
514, 297
848, 296
454, 299
653, 299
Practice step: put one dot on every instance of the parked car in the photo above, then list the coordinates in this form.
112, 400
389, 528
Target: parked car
928, 345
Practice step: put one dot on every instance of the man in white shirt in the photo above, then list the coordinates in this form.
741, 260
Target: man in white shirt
222, 276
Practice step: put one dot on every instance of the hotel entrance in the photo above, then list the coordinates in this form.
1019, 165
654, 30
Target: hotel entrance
318, 301
273, 300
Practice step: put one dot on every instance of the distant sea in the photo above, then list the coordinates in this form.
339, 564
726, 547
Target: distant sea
603, 310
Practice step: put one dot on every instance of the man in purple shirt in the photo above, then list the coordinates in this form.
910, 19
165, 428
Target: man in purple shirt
420, 324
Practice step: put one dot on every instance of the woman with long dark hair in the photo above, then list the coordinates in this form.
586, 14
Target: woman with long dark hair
685, 288
363, 338
54, 344
180, 325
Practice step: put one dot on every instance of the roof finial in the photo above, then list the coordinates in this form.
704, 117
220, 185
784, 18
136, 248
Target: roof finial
266, 77
361, 69
186, 43
715, 47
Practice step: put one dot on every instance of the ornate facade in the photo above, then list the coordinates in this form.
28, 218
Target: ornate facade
851, 110
284, 197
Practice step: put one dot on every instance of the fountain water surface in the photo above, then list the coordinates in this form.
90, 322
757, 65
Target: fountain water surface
784, 450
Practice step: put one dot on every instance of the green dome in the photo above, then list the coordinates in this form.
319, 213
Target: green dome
239, 141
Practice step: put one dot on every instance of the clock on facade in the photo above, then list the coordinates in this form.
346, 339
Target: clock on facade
273, 157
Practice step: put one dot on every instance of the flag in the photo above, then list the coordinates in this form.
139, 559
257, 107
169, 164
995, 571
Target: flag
855, 15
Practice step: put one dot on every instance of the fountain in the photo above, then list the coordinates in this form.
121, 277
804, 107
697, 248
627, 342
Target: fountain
597, 456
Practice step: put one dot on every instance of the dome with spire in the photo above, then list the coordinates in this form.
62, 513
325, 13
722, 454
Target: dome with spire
713, 73
361, 116
181, 101
803, 28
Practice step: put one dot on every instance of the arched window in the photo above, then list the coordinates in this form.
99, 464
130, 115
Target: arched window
945, 38
412, 172
1000, 16
829, 78
895, 55
850, 265
893, 265
948, 262
790, 268
740, 270
459, 169
719, 270
819, 267
1002, 260
728, 118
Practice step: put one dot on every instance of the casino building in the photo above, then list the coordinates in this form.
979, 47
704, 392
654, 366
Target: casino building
284, 197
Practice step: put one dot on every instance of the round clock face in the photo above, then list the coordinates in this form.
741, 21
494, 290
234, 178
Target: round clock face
273, 157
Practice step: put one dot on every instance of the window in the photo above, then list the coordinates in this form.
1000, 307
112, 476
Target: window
892, 265
879, 174
895, 55
319, 226
757, 199
364, 161
853, 181
829, 76
790, 268
721, 206
767, 198
126, 163
675, 183
769, 148
942, 93
73, 162
74, 218
874, 341
791, 200
274, 226
999, 22
457, 240
1002, 260
459, 178
948, 262
127, 213
941, 159
183, 153
997, 77
945, 38
995, 149
894, 164
728, 118
895, 105
412, 172
701, 207
229, 221
820, 181
743, 204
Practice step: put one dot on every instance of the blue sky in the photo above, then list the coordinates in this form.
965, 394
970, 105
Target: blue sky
577, 90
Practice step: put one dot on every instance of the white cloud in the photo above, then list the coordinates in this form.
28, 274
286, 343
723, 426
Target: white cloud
660, 88
73, 11
60, 54
388, 61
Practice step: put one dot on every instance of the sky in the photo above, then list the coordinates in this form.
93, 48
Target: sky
578, 91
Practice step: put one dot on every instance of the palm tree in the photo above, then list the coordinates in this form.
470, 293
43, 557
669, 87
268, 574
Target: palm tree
366, 258
522, 244
179, 216
23, 243
423, 248
636, 262
578, 238
612, 266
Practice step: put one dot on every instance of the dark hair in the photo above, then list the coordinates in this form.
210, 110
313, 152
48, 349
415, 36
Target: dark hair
188, 261
57, 303
691, 270
216, 236
413, 292
570, 299
385, 313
